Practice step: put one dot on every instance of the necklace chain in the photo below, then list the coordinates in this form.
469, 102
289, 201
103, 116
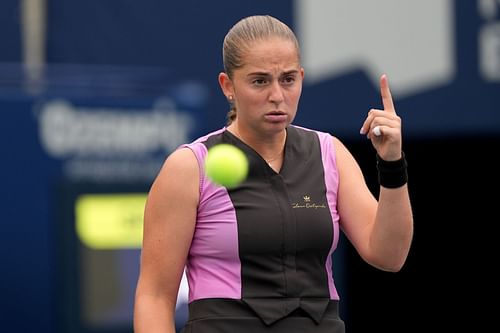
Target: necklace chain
275, 157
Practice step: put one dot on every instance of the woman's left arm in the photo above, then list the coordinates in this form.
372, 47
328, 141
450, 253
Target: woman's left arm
381, 230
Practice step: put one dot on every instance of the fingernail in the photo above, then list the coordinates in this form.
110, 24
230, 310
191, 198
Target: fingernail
376, 131
362, 131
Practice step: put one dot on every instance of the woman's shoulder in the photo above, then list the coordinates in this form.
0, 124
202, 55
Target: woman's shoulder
189, 156
181, 162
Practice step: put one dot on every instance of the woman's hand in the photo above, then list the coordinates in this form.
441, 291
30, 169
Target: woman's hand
383, 127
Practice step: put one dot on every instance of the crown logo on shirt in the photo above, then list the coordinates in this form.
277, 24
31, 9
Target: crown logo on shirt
307, 203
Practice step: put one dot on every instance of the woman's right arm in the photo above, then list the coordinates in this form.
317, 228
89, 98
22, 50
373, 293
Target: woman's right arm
169, 222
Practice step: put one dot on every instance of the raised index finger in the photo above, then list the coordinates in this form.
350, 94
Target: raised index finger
386, 94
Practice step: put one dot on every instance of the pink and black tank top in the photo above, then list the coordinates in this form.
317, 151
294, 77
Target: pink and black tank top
269, 242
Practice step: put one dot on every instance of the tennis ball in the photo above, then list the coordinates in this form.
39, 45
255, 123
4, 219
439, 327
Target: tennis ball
226, 165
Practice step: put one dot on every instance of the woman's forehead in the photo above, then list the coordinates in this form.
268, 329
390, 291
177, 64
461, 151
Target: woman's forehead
270, 53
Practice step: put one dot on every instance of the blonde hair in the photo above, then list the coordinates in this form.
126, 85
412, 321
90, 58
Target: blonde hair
239, 39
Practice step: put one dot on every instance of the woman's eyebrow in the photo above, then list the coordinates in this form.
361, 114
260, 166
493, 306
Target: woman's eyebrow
293, 71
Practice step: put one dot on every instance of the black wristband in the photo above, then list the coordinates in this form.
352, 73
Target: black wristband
392, 174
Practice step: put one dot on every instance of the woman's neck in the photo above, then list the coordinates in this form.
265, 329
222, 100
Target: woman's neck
270, 148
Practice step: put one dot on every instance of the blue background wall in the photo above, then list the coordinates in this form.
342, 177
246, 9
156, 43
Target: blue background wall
161, 59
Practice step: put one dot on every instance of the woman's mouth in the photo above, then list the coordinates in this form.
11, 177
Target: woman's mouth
276, 116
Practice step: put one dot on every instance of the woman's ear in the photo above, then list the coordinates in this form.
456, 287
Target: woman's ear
226, 85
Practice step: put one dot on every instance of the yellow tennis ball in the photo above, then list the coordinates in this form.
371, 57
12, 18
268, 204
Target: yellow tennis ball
226, 165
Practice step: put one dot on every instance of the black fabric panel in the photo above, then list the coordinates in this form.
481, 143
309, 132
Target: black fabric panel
304, 179
224, 315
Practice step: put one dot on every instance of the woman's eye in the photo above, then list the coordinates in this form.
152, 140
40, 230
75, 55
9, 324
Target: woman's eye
259, 81
289, 80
